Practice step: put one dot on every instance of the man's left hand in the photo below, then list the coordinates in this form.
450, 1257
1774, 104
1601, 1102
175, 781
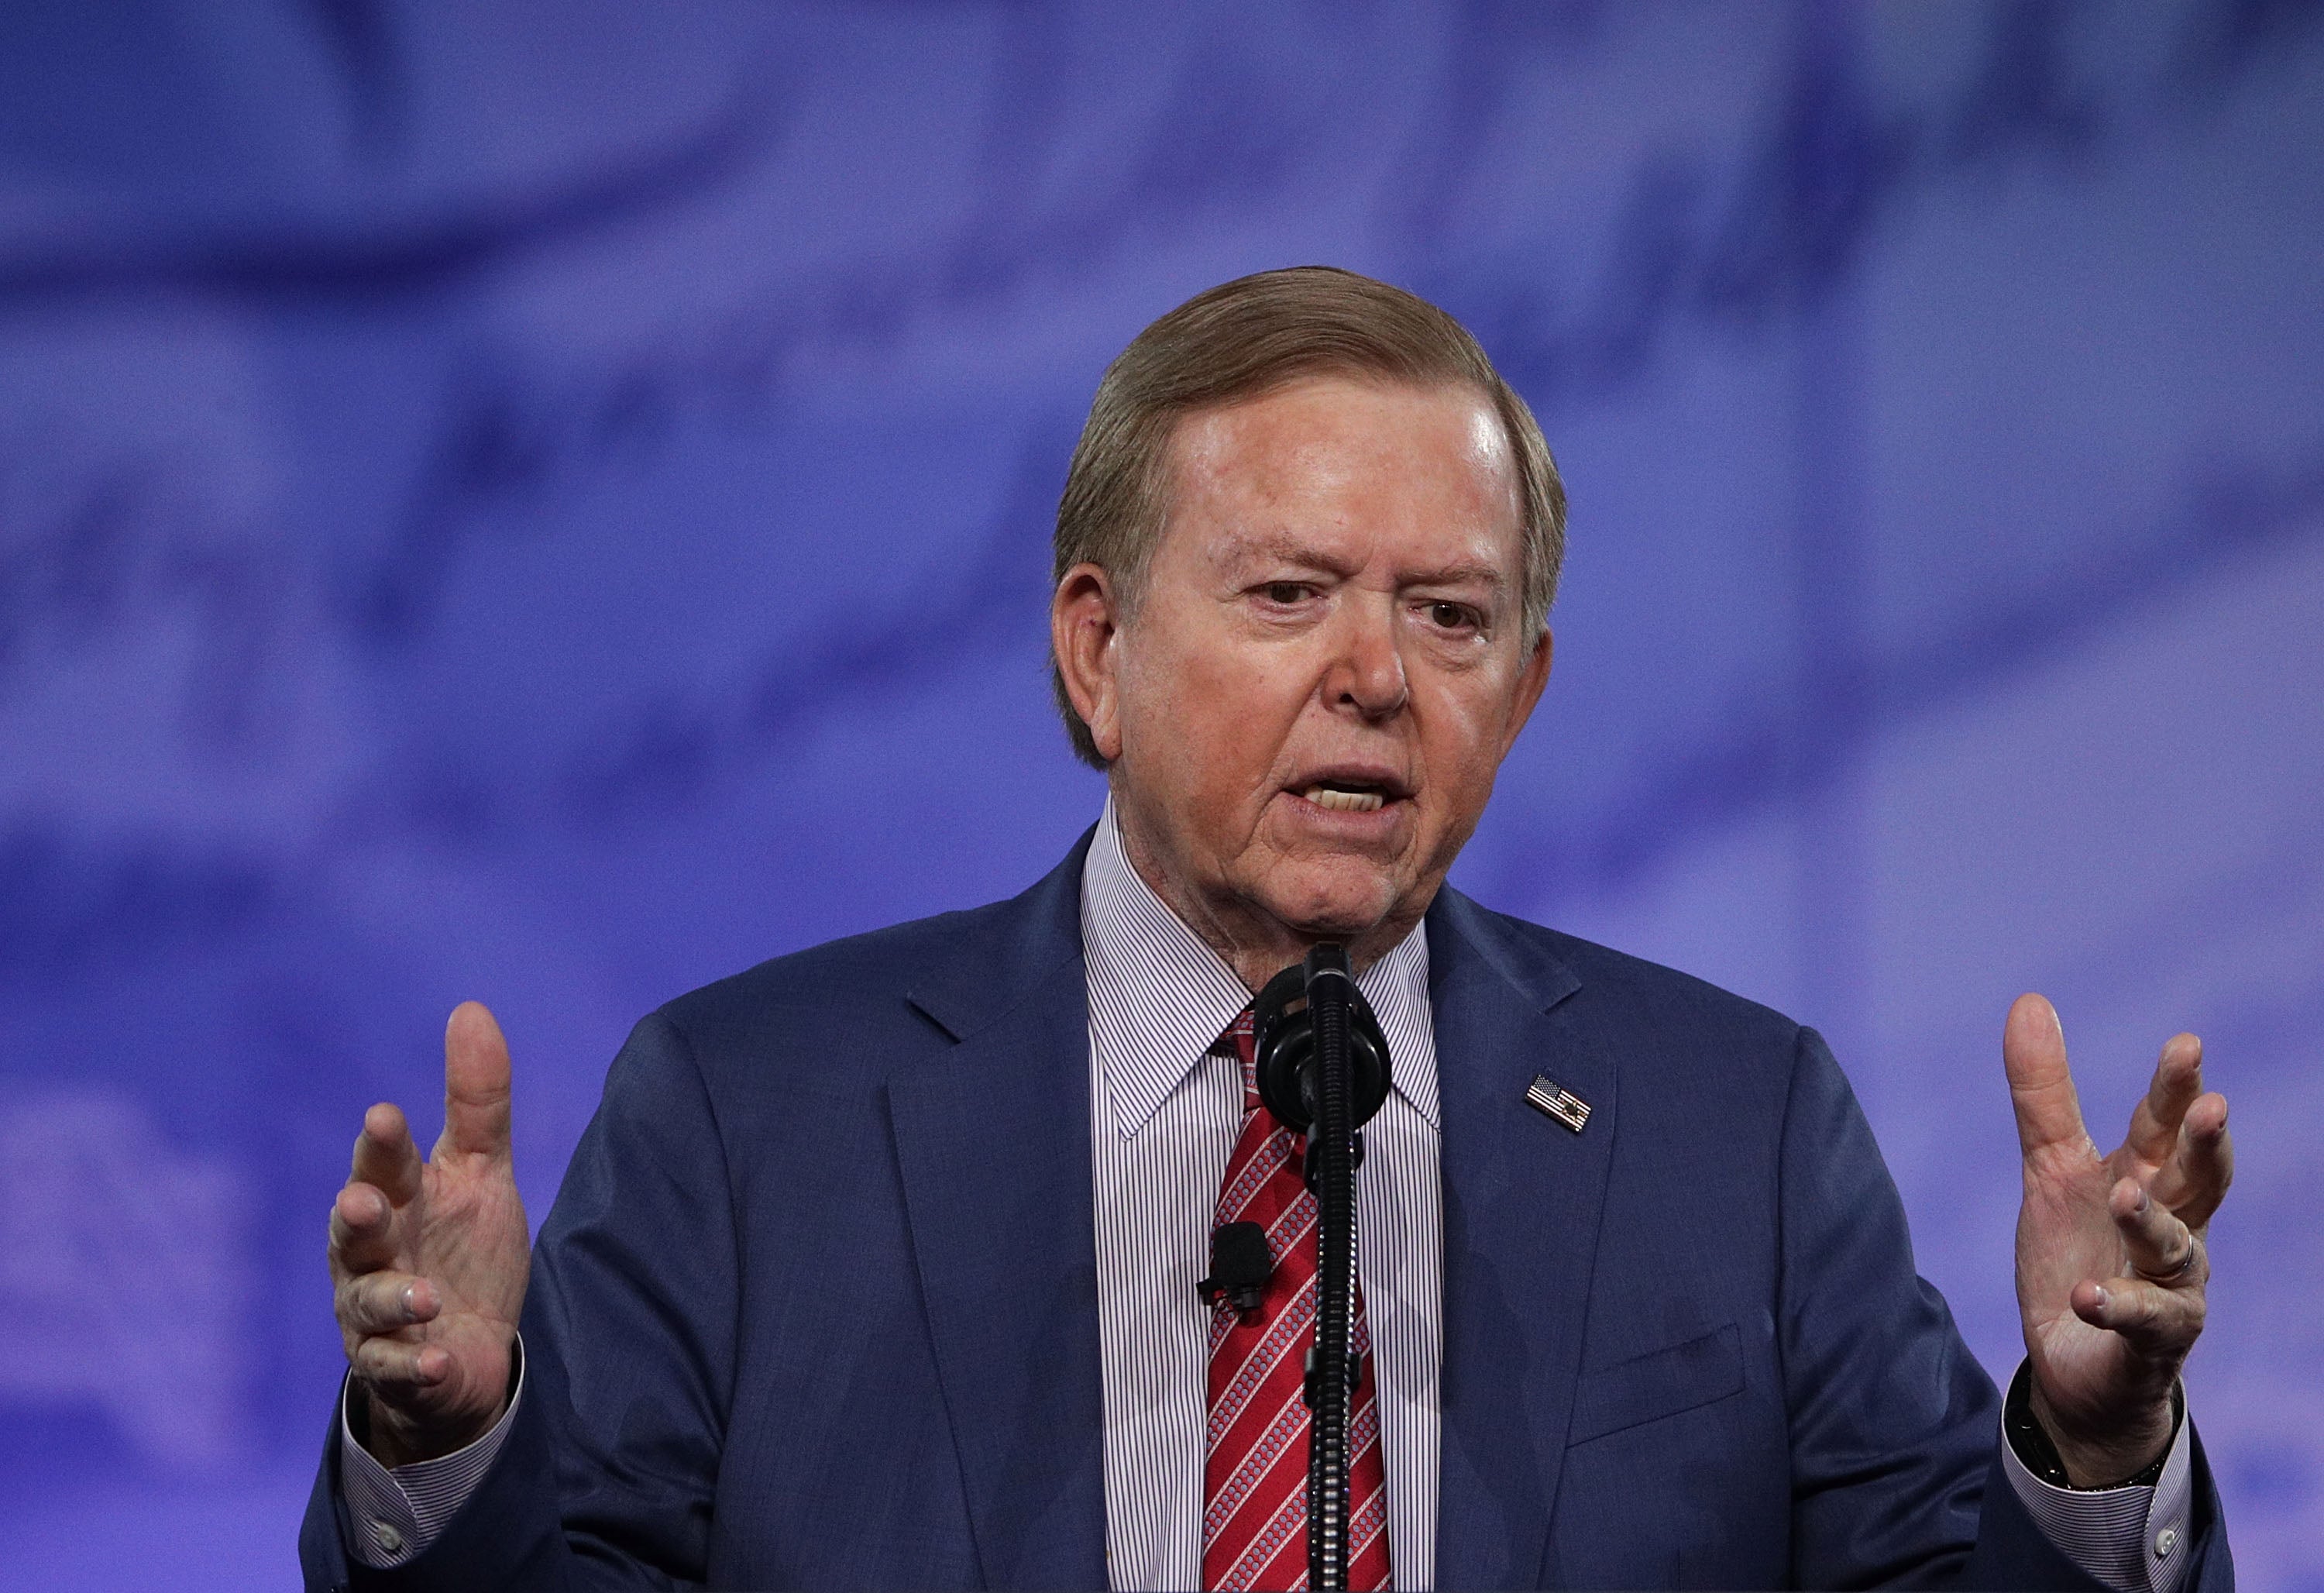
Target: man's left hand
2111, 1259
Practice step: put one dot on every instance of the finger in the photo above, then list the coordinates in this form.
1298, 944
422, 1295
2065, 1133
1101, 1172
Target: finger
2200, 1163
395, 1367
2040, 1088
2163, 1249
2197, 1181
2178, 1080
385, 1303
476, 1083
384, 1157
362, 1229
2160, 1323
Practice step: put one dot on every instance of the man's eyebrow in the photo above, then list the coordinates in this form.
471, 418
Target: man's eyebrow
1274, 543
1243, 546
1453, 575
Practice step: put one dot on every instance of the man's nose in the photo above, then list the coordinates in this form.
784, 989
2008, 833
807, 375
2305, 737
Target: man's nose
1368, 674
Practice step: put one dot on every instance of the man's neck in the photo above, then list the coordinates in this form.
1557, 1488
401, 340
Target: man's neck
1254, 943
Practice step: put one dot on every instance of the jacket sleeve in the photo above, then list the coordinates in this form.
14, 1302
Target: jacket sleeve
1895, 1429
607, 1477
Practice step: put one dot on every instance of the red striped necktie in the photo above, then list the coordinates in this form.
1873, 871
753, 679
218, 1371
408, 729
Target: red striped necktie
1255, 1472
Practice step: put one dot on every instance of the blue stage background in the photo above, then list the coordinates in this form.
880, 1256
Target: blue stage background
551, 503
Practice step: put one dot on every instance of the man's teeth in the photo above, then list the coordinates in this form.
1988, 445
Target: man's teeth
1344, 801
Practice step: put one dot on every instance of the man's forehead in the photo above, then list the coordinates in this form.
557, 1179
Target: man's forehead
1284, 423
1331, 445
1334, 430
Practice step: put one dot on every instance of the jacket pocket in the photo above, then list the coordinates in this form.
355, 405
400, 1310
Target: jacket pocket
1661, 1383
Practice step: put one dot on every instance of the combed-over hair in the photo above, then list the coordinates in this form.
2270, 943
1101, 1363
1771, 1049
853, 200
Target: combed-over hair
1242, 339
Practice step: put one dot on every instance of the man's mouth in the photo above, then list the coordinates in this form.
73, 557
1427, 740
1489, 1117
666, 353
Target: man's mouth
1342, 797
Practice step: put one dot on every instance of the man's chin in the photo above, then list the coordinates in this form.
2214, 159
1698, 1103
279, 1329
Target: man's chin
1337, 901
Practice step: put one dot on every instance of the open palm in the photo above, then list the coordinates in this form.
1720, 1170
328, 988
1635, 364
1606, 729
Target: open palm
2111, 1260
430, 1258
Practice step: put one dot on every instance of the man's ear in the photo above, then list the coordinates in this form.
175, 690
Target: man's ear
1532, 676
1084, 619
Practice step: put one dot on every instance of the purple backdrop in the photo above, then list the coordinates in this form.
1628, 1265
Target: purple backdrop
550, 504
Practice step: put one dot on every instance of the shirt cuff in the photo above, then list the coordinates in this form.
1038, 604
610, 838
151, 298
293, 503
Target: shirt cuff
2132, 1538
398, 1512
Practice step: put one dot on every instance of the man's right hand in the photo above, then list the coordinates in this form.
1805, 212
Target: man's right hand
431, 1259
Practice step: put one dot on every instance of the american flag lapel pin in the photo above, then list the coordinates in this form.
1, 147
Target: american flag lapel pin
1552, 1099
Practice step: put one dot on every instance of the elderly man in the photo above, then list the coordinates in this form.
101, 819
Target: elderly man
879, 1265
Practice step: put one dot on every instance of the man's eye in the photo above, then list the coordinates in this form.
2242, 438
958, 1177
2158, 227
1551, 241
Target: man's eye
1453, 616
1286, 592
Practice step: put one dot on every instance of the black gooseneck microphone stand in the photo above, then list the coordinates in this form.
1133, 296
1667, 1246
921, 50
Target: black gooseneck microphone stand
1333, 1149
1325, 1068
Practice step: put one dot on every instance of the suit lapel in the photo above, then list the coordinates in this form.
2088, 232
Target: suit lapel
1522, 1200
992, 1144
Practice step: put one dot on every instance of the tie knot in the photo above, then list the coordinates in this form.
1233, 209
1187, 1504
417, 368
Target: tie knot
1236, 1040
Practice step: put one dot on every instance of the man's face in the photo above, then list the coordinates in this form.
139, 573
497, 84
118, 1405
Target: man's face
1306, 707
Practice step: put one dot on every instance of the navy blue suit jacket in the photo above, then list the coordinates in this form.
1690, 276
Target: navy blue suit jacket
817, 1306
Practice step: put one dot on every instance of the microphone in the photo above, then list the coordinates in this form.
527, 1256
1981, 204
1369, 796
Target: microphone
1290, 1074
1240, 1266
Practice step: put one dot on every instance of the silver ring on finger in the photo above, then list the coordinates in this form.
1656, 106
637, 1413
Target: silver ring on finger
2177, 1274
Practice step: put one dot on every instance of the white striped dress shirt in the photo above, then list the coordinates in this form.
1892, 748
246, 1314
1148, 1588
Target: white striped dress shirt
1164, 1115
2132, 1539
399, 1512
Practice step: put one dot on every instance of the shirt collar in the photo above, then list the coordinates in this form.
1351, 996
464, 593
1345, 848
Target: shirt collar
1158, 995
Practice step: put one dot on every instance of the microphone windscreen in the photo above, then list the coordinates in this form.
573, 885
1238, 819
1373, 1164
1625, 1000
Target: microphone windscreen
1239, 1256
